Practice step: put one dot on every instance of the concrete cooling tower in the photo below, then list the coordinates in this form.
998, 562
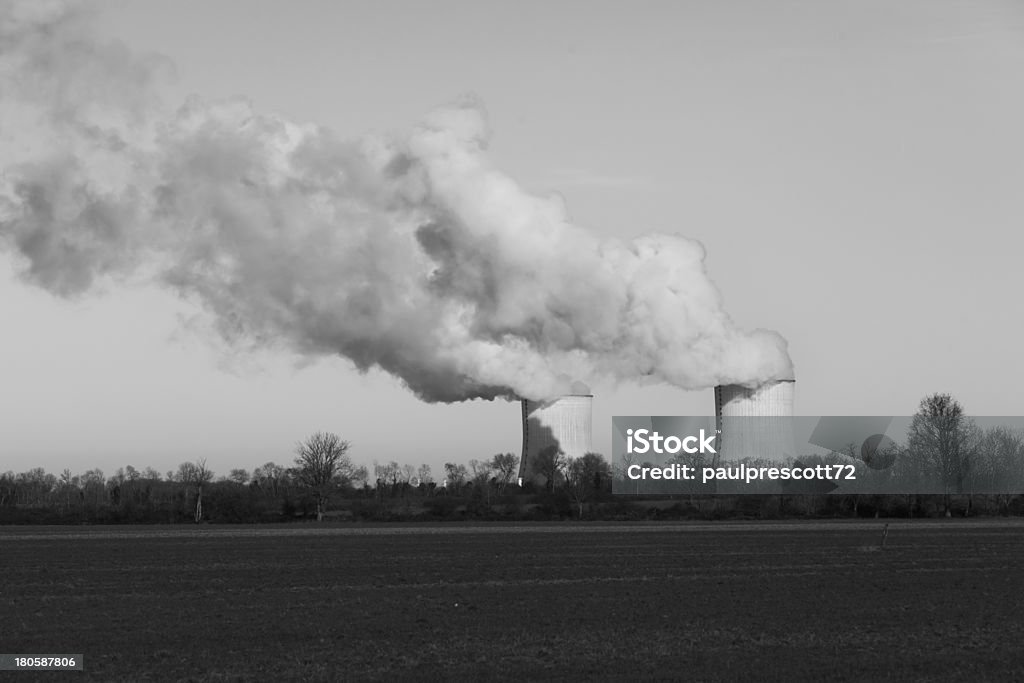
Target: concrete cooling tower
564, 423
755, 423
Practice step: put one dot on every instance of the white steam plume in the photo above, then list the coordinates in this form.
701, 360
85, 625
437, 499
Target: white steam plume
413, 254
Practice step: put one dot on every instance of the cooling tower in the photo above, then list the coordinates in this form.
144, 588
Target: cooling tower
755, 423
563, 423
774, 399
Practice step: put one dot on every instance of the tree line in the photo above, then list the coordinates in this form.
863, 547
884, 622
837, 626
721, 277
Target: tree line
944, 447
321, 481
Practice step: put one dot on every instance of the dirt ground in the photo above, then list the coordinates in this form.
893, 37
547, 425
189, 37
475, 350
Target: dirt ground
943, 600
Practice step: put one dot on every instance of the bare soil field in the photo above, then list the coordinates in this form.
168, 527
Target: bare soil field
944, 600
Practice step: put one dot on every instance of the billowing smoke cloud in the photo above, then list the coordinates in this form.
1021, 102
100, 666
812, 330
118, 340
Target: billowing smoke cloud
410, 254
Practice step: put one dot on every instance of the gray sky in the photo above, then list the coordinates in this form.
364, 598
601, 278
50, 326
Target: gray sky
853, 169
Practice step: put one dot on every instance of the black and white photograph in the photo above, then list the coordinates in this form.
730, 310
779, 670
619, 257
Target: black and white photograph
485, 340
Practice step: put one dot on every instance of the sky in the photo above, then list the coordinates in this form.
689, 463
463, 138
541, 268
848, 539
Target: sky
851, 168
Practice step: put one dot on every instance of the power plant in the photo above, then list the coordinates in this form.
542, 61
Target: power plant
564, 424
755, 422
751, 422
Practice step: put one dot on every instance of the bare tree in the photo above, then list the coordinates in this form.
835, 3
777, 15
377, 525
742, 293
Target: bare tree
1001, 463
455, 475
195, 474
505, 466
271, 477
8, 488
239, 476
395, 475
94, 487
480, 475
203, 476
550, 463
584, 478
944, 440
66, 484
479, 470
359, 477
322, 461
388, 477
